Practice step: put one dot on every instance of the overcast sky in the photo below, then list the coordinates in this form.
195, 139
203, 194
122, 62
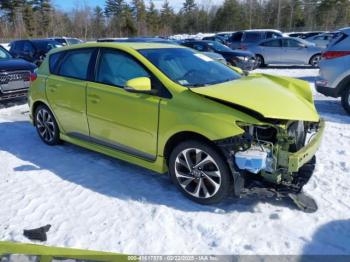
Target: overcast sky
69, 4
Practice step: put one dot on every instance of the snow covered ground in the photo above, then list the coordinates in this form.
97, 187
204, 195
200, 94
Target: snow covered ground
96, 202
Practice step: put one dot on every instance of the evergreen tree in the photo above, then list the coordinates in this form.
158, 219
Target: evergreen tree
42, 9
167, 17
114, 7
227, 17
189, 12
28, 19
128, 26
152, 19
98, 25
10, 7
139, 14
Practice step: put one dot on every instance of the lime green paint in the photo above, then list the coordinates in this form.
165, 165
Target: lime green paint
273, 97
145, 122
47, 253
237, 69
139, 84
304, 155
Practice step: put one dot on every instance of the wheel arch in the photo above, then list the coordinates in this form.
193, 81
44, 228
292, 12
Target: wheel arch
313, 57
263, 62
176, 138
343, 85
35, 106
41, 102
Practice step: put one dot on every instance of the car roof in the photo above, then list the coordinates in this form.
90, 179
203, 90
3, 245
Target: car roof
130, 45
202, 41
345, 30
262, 30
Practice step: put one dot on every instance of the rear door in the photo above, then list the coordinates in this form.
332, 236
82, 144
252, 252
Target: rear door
66, 88
119, 119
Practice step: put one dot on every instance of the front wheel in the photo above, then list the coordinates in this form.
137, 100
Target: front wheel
200, 172
315, 60
46, 125
345, 100
259, 61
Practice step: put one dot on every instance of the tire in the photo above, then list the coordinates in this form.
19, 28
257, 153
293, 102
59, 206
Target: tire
345, 100
315, 60
208, 183
260, 62
46, 125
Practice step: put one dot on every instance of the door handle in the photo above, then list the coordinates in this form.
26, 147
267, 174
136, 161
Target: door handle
53, 87
94, 99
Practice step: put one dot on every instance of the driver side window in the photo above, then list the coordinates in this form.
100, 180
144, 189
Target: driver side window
116, 68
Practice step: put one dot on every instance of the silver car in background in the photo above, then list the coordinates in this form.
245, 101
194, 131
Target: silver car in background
334, 79
286, 50
321, 40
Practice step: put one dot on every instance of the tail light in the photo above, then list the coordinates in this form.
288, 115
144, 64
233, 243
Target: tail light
334, 54
33, 77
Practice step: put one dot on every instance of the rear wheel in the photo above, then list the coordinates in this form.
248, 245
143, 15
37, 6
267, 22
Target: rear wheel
345, 100
315, 60
46, 125
200, 172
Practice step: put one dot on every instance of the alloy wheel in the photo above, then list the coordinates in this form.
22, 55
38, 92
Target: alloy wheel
197, 173
316, 60
45, 125
258, 62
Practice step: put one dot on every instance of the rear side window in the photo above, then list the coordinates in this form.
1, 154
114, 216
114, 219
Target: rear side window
75, 64
54, 61
272, 35
236, 37
73, 41
17, 46
272, 43
251, 37
291, 43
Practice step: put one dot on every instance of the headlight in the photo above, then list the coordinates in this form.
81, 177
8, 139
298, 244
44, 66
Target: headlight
242, 58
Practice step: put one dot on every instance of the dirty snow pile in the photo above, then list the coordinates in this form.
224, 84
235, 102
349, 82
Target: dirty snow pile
96, 202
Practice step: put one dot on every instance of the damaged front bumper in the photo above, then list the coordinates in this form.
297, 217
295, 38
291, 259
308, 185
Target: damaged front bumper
294, 161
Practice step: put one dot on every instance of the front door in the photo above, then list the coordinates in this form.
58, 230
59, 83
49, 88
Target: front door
117, 118
294, 52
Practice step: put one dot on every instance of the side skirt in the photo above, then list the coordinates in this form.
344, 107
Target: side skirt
158, 165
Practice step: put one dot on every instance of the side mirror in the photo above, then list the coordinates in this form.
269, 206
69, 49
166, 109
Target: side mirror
139, 85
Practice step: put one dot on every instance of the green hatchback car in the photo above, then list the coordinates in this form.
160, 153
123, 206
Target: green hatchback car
169, 108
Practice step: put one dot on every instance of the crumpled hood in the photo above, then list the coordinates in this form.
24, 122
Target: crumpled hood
270, 96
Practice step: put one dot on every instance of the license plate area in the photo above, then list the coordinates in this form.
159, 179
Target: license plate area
14, 81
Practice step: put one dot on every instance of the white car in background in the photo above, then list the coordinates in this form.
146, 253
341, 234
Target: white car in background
334, 79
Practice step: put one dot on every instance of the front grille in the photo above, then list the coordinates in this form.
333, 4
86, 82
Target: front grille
16, 80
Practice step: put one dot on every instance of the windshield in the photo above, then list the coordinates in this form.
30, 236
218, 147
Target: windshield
4, 54
219, 47
189, 68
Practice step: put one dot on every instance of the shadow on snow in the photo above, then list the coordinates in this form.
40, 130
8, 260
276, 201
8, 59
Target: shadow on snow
106, 175
332, 238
